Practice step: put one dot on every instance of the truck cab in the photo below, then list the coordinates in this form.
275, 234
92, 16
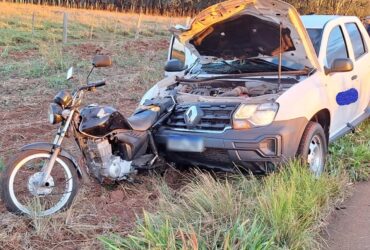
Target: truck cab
347, 93
285, 87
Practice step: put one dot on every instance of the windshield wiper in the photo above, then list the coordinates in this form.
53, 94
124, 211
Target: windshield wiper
232, 66
305, 71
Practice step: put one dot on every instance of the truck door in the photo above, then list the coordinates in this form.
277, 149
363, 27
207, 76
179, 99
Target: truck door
178, 51
339, 85
361, 74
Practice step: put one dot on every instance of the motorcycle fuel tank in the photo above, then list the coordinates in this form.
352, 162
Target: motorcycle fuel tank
98, 121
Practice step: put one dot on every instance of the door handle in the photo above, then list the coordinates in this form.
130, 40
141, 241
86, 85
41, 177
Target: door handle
354, 77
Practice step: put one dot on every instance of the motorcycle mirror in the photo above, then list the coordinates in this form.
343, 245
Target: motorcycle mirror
100, 61
70, 73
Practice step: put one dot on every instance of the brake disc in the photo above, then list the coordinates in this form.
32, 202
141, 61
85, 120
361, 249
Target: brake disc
36, 189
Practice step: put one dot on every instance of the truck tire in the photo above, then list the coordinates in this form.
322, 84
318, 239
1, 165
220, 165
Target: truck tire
313, 148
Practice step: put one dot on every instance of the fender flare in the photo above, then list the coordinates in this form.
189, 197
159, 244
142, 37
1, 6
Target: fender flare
47, 147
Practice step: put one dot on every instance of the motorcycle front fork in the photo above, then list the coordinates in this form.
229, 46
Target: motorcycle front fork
56, 149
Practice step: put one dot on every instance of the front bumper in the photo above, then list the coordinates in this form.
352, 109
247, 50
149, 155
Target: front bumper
257, 149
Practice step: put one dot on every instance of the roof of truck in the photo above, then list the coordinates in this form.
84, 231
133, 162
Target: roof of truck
317, 21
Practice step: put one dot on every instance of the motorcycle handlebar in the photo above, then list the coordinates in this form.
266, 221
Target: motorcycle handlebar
98, 84
93, 85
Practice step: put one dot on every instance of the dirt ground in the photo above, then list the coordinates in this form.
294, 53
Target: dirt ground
349, 226
98, 210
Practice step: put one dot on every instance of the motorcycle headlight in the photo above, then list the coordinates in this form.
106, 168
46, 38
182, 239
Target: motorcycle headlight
55, 114
254, 115
63, 99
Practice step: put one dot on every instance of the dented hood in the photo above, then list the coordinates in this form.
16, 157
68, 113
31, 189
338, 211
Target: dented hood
241, 29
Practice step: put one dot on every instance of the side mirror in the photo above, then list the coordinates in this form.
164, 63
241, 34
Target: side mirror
174, 65
340, 65
70, 73
100, 61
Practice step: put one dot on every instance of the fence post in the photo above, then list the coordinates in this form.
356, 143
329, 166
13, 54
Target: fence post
91, 31
65, 27
33, 24
138, 25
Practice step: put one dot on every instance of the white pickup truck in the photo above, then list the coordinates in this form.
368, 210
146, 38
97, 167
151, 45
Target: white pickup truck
256, 84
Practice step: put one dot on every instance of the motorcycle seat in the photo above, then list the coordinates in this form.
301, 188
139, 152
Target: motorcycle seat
143, 120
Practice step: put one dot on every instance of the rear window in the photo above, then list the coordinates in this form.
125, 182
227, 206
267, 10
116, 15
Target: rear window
356, 39
315, 36
337, 48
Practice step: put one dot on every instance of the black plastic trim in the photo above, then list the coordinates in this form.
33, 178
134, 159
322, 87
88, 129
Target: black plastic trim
243, 146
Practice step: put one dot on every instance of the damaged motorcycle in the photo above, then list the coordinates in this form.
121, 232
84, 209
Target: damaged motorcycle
43, 178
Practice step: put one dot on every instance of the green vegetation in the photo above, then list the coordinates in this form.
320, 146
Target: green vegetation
352, 153
281, 211
278, 212
2, 165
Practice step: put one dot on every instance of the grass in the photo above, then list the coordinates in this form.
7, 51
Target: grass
352, 153
278, 212
285, 210
2, 165
41, 54
281, 211
33, 69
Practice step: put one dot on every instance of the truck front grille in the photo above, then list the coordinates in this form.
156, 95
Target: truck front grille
215, 116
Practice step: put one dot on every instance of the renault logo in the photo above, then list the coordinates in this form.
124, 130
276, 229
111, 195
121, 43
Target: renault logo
193, 115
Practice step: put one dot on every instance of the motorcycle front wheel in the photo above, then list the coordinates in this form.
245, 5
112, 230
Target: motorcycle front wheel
20, 191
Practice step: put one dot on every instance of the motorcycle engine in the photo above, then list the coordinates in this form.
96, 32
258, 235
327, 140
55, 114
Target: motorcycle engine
105, 164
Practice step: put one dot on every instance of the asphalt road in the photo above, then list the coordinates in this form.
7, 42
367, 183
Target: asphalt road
349, 228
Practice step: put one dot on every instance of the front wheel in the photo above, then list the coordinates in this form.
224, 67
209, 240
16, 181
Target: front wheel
21, 192
313, 148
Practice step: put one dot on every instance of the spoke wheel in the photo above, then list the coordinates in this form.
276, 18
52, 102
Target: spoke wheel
23, 193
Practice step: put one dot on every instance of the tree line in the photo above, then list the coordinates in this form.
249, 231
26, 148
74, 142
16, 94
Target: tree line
191, 7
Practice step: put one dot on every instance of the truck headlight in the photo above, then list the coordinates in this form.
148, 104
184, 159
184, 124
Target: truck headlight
254, 115
55, 114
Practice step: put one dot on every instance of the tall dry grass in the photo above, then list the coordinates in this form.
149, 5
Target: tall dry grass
191, 7
96, 19
282, 211
285, 210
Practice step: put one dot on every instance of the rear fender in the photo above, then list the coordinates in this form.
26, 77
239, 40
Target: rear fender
47, 147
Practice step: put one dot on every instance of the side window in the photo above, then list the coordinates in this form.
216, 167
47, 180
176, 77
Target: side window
337, 47
315, 36
356, 39
178, 51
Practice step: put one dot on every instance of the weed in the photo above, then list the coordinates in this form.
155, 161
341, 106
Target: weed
5, 52
352, 153
7, 69
2, 165
282, 211
39, 224
34, 70
293, 201
278, 212
57, 82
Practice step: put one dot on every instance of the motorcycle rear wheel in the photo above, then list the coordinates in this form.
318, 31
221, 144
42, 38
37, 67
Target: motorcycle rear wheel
22, 196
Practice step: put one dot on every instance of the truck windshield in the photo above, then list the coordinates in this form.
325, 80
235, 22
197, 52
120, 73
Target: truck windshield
315, 36
252, 65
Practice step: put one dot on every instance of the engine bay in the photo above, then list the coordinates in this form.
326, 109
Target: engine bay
229, 89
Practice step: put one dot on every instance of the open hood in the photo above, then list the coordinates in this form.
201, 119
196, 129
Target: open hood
241, 29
